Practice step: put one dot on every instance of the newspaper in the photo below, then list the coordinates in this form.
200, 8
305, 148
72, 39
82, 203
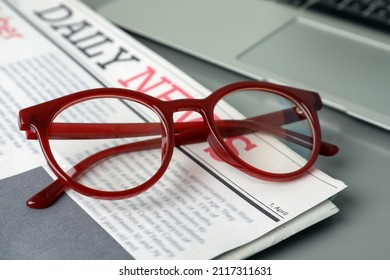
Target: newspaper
201, 208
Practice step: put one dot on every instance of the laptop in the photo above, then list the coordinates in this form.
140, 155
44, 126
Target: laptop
339, 48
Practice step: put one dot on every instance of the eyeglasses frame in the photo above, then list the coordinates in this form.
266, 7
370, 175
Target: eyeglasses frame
36, 120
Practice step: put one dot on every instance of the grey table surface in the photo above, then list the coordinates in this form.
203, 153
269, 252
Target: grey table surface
360, 230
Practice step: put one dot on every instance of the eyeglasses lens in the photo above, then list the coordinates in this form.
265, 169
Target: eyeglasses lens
270, 130
118, 146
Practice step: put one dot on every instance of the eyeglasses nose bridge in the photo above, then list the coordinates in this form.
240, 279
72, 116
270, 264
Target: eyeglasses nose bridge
200, 106
194, 105
199, 131
205, 109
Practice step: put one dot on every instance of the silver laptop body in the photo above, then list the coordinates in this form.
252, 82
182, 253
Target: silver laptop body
347, 63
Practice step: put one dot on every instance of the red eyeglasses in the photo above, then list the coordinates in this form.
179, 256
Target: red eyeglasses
104, 152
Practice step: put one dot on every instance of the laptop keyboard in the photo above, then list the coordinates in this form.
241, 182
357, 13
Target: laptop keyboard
371, 13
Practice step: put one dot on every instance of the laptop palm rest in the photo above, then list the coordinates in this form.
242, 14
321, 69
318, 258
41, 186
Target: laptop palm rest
327, 60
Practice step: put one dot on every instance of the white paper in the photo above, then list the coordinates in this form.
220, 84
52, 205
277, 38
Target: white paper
305, 220
201, 207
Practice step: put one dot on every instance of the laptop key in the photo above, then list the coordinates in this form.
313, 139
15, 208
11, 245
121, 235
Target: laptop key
380, 15
296, 3
374, 14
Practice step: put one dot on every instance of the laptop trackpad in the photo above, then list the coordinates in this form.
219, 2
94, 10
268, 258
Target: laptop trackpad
328, 61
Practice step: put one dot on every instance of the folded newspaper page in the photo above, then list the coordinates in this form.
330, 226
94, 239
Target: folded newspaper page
202, 208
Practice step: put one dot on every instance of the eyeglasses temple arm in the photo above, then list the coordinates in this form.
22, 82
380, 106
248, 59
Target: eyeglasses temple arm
247, 126
290, 116
102, 130
121, 130
270, 123
51, 193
